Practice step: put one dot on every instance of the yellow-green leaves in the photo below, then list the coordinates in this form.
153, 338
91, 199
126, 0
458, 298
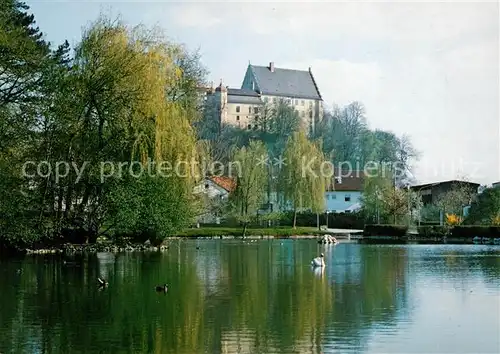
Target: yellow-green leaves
304, 175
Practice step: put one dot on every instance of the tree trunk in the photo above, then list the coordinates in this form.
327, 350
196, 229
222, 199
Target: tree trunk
317, 221
295, 218
244, 229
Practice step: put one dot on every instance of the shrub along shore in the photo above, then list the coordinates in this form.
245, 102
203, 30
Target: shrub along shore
466, 234
130, 244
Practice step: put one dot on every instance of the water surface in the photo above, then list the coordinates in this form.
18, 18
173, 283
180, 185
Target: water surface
256, 297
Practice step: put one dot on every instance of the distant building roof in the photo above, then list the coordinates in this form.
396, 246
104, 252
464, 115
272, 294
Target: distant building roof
427, 185
228, 183
285, 82
242, 92
243, 96
347, 182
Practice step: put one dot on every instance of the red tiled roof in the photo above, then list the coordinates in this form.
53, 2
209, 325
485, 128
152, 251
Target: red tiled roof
227, 183
352, 182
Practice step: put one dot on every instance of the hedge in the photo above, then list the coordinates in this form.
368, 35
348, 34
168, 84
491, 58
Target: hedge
433, 231
237, 231
305, 219
474, 230
335, 220
385, 230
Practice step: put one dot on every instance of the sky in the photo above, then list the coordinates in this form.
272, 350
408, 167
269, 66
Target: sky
426, 69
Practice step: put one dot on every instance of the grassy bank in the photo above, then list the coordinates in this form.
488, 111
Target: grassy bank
238, 231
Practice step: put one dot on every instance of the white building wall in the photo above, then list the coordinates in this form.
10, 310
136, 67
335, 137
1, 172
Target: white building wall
338, 201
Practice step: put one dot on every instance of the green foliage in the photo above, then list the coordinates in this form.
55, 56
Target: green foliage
127, 96
385, 230
303, 178
485, 208
430, 213
335, 220
251, 180
380, 198
347, 139
147, 208
276, 123
250, 231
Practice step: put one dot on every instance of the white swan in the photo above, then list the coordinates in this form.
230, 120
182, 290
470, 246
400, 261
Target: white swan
318, 261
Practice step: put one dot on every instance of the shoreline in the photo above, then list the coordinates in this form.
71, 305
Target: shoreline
99, 247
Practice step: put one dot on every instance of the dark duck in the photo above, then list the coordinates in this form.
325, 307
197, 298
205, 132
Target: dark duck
162, 288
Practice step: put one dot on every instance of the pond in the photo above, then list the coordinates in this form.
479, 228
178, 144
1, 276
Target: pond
256, 297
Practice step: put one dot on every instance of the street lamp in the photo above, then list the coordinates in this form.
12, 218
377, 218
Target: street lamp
379, 197
409, 207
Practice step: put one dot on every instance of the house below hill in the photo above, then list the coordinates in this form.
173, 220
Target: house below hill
343, 195
215, 190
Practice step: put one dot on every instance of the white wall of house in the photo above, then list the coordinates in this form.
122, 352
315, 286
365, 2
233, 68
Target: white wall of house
338, 201
213, 192
211, 189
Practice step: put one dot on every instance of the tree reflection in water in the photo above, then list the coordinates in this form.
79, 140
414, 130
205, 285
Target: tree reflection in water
227, 297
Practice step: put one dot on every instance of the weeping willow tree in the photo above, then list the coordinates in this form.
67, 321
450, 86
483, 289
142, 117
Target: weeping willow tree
134, 147
304, 176
250, 183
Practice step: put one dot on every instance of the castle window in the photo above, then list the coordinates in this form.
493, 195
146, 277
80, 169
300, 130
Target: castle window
347, 198
302, 103
296, 102
238, 109
237, 117
250, 110
256, 110
249, 126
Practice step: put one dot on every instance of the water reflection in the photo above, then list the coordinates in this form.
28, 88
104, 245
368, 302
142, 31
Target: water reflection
261, 297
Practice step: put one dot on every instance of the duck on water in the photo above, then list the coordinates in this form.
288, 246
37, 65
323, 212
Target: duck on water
162, 288
318, 261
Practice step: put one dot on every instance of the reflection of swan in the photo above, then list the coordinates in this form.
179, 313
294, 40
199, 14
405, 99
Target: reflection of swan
102, 283
319, 271
318, 261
